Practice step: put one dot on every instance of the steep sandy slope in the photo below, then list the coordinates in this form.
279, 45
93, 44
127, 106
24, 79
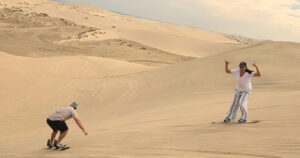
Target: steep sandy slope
164, 112
176, 105
30, 82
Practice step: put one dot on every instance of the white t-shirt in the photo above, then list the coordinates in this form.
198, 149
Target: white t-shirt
63, 114
244, 82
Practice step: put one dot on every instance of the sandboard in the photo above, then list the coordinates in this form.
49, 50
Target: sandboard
65, 148
235, 122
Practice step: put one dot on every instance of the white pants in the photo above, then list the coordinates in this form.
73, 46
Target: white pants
239, 101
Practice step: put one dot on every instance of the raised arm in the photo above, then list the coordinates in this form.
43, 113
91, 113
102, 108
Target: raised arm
257, 74
226, 67
80, 125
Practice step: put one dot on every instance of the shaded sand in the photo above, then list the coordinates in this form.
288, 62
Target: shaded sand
134, 109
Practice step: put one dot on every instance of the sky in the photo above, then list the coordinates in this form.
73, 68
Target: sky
277, 20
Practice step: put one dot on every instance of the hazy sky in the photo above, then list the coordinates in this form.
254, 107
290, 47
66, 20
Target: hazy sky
262, 19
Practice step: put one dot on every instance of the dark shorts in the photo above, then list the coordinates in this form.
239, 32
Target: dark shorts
58, 125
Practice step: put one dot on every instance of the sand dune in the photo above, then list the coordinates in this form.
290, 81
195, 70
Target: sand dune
136, 104
39, 35
180, 40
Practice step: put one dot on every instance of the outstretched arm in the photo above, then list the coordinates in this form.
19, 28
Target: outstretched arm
257, 74
80, 125
226, 67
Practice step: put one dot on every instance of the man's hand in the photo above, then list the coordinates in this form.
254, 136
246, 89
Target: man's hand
85, 132
80, 125
254, 65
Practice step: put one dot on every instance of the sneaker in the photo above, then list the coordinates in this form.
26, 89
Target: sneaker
49, 143
227, 120
242, 121
59, 146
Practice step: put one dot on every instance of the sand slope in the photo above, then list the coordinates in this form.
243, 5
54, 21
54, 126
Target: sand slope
131, 111
130, 108
34, 34
180, 40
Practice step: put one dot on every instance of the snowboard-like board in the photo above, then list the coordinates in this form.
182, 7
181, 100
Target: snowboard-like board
235, 122
65, 148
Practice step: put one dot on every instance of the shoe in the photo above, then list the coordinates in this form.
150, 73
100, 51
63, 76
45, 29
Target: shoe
49, 145
227, 120
242, 121
55, 142
59, 146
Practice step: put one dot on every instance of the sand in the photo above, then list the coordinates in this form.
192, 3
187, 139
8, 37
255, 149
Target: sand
145, 89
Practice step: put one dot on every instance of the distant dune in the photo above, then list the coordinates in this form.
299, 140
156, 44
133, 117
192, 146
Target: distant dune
144, 88
102, 25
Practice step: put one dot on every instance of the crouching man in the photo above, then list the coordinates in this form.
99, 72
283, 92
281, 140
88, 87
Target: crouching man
57, 123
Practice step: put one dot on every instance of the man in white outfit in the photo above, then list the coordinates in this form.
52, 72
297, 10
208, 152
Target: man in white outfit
242, 92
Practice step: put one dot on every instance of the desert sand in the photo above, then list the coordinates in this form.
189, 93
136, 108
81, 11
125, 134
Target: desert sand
145, 88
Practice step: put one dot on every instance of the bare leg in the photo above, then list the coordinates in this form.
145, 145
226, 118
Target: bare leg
53, 135
62, 136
